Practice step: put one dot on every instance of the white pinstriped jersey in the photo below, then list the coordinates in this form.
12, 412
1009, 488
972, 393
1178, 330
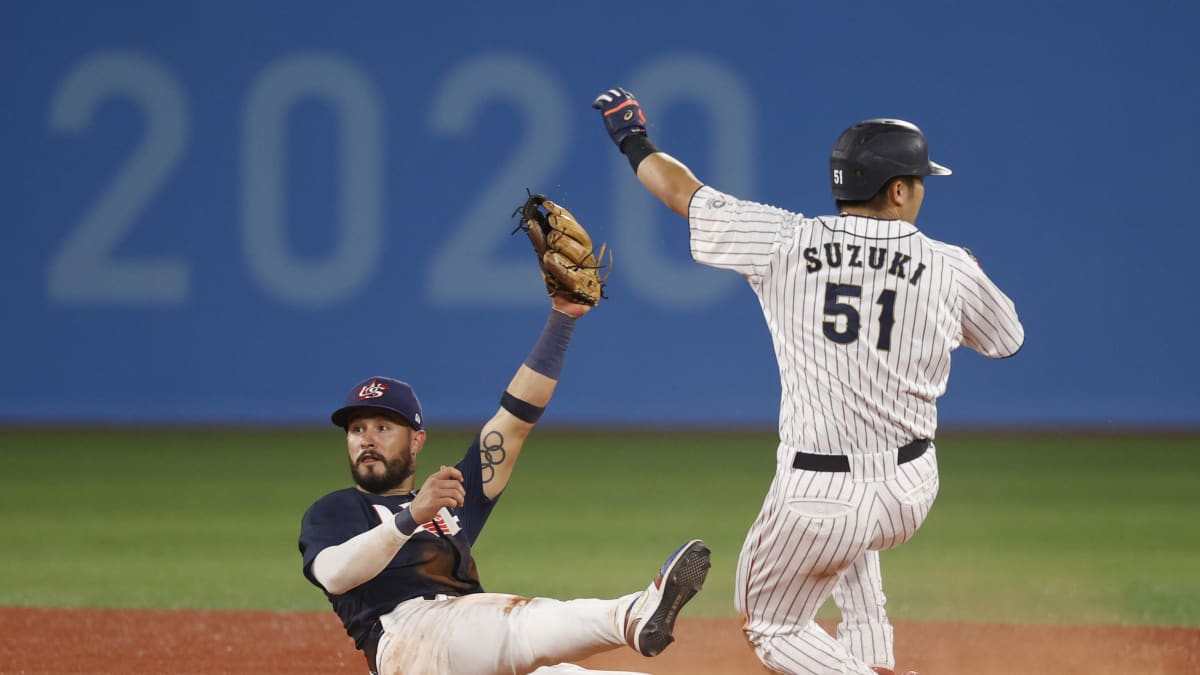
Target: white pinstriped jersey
863, 314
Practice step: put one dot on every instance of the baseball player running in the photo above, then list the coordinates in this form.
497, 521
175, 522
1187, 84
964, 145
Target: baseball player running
396, 563
864, 311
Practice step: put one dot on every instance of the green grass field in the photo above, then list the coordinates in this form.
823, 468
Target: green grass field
1050, 528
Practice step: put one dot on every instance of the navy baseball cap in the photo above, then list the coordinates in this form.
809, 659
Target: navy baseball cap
386, 394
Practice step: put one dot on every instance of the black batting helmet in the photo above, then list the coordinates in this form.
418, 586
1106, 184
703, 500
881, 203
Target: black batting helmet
872, 152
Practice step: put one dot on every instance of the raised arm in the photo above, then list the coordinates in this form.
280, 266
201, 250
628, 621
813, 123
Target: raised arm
344, 566
664, 176
522, 404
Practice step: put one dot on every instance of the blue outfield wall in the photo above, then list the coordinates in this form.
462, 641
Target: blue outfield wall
230, 212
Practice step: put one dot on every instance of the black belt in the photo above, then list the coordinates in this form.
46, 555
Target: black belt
370, 646
841, 463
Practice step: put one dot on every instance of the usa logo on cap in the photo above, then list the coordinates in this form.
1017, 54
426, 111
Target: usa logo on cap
373, 390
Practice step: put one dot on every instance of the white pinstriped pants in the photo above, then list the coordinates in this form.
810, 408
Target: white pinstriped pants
864, 628
812, 528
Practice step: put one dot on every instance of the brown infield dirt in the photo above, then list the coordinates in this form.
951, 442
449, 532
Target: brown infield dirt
34, 640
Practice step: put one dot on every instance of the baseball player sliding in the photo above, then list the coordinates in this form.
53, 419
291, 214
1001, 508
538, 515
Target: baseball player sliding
396, 562
864, 311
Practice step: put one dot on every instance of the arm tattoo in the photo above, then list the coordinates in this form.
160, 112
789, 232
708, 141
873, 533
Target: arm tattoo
492, 450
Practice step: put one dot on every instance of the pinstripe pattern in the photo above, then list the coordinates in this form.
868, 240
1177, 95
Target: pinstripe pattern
863, 314
856, 397
864, 629
813, 525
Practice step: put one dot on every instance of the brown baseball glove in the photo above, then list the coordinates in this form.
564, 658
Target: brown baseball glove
570, 266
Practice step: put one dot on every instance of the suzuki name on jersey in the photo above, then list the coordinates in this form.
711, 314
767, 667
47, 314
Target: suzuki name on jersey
832, 255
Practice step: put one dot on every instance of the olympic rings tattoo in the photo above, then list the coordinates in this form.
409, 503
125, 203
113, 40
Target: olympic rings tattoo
493, 453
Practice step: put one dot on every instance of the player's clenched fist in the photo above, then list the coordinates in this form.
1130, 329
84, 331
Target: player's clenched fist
623, 115
443, 488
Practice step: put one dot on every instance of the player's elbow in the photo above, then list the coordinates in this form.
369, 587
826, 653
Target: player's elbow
1011, 346
330, 575
336, 585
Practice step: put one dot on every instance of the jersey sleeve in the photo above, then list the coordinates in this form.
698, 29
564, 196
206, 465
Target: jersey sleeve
332, 520
737, 235
989, 319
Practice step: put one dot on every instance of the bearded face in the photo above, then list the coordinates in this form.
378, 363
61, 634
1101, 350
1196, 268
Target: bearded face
380, 452
377, 474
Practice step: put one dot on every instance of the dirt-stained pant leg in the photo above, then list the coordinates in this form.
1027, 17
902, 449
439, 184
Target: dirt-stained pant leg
571, 668
497, 633
812, 527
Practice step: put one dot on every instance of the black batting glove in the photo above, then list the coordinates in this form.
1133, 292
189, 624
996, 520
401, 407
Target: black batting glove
623, 116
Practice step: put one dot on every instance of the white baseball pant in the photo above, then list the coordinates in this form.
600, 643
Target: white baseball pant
499, 634
813, 526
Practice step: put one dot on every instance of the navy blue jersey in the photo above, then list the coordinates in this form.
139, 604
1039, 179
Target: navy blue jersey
437, 559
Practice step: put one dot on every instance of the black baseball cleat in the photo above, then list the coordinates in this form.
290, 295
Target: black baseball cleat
650, 619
